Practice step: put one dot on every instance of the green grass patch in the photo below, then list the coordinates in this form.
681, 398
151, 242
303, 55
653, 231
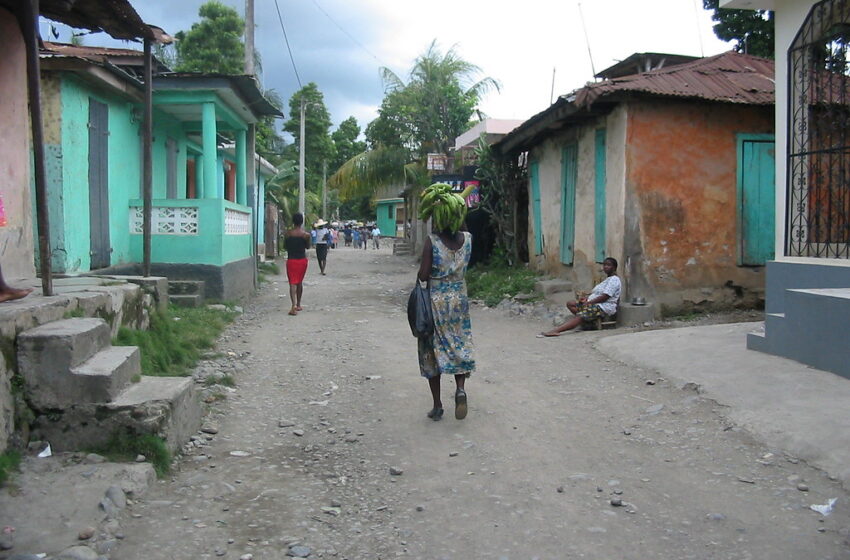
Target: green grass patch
9, 461
124, 446
494, 282
227, 380
176, 338
269, 267
74, 313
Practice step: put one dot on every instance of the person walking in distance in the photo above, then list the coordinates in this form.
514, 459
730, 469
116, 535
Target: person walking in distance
296, 241
323, 241
445, 258
376, 237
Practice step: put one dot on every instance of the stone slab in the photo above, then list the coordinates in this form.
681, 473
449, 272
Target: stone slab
165, 406
46, 355
553, 285
106, 374
630, 315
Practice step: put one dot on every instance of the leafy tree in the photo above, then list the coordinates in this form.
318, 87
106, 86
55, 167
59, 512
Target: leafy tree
346, 143
501, 180
215, 43
752, 30
269, 143
318, 146
424, 115
435, 105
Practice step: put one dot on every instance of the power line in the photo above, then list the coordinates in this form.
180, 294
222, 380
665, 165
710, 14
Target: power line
355, 41
285, 38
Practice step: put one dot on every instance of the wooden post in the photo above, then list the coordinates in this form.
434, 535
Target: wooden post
27, 14
147, 163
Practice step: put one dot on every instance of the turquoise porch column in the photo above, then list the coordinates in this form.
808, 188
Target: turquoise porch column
209, 135
199, 176
241, 170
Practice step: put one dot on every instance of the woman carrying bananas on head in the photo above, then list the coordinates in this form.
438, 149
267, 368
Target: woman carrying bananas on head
444, 261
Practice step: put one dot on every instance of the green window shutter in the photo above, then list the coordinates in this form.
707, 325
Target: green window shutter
569, 176
599, 200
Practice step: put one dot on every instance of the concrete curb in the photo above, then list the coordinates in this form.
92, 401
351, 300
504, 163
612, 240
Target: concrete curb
787, 405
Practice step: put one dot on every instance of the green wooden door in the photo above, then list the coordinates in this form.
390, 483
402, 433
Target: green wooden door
569, 175
599, 198
534, 172
756, 209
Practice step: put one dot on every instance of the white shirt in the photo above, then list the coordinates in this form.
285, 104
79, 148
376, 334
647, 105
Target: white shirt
321, 235
376, 232
612, 287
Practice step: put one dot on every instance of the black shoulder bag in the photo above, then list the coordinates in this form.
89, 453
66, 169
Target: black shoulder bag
419, 313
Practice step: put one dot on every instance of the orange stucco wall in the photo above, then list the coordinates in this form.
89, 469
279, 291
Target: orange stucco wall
681, 195
16, 237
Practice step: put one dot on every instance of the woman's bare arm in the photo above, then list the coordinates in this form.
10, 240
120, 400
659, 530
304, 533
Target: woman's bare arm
425, 265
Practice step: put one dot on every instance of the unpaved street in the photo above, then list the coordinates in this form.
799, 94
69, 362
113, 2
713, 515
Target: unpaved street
328, 402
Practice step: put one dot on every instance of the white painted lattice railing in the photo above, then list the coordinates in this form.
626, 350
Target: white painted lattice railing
236, 222
166, 220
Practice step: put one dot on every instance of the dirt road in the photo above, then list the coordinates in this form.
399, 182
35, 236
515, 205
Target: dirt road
564, 454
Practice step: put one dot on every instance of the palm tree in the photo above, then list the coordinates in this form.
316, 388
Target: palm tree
443, 96
424, 115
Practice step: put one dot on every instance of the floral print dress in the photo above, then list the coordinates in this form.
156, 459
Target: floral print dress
449, 349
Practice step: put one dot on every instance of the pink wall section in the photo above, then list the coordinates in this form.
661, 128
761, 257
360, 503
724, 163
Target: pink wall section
16, 237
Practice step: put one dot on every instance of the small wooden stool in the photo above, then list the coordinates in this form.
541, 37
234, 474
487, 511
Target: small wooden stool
605, 322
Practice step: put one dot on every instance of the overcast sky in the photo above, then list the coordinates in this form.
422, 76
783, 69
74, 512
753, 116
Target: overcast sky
340, 44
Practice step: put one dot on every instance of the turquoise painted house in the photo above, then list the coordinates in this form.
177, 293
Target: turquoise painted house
389, 211
203, 210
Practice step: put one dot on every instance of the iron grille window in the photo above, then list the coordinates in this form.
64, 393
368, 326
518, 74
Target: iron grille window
819, 134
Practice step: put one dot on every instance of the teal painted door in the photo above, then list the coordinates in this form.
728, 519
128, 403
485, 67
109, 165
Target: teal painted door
99, 248
599, 196
757, 202
569, 175
534, 172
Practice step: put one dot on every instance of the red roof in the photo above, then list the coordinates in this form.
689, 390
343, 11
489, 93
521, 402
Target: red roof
728, 77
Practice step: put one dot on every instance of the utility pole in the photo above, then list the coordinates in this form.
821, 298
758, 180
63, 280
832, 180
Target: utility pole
324, 189
251, 145
301, 157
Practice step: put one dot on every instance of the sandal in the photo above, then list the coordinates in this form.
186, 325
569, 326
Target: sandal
460, 404
435, 414
292, 312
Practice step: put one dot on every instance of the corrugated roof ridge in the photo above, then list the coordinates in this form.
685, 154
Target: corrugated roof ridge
86, 50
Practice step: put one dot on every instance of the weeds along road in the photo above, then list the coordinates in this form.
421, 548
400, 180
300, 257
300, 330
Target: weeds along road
564, 454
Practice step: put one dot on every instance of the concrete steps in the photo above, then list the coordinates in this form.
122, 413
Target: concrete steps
186, 293
82, 389
812, 329
402, 248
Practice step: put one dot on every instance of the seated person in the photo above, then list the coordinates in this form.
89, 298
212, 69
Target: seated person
603, 300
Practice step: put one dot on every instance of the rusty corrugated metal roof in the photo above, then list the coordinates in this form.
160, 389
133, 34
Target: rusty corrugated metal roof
84, 51
728, 77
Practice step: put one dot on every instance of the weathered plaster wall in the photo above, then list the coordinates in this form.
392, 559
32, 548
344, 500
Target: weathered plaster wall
681, 227
584, 271
16, 237
615, 190
68, 163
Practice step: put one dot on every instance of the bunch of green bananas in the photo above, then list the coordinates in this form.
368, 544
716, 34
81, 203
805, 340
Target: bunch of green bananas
447, 208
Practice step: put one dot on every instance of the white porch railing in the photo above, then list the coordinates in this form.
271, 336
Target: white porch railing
166, 220
236, 222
